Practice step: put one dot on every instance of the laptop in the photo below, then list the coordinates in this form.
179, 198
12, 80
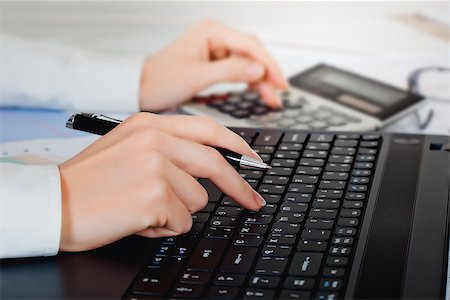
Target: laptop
348, 215
322, 97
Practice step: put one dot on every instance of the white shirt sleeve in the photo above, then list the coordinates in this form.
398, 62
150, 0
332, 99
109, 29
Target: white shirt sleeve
43, 73
30, 210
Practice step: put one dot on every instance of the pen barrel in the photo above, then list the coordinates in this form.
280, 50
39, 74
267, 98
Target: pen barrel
232, 158
93, 125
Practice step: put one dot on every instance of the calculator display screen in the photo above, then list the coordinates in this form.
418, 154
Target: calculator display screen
355, 91
371, 90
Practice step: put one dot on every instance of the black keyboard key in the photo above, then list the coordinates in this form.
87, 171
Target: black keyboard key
345, 143
333, 272
267, 265
227, 201
268, 139
279, 180
353, 204
219, 232
156, 282
365, 157
290, 147
256, 229
229, 211
337, 261
246, 132
330, 194
332, 185
285, 228
359, 180
258, 219
340, 250
322, 213
287, 154
264, 149
294, 207
312, 223
312, 246
342, 241
369, 144
335, 176
326, 203
330, 284
315, 154
355, 196
291, 294
286, 163
290, 217
224, 279
363, 165
357, 188
298, 197
238, 259
247, 240
193, 277
351, 136
305, 264
315, 234
370, 151
308, 170
224, 221
321, 138
371, 137
318, 146
279, 171
240, 113
345, 231
309, 179
350, 213
253, 293
301, 188
281, 239
294, 137
312, 162
251, 174
207, 254
340, 159
298, 283
185, 290
208, 208
276, 250
348, 222
216, 292
343, 151
262, 281
334, 167
271, 189
364, 173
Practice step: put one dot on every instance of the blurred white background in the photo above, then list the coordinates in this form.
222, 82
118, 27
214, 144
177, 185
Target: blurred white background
384, 39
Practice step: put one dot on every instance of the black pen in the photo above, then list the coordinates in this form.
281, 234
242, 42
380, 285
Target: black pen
101, 125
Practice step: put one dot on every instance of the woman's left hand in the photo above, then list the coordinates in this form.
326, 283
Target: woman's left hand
208, 53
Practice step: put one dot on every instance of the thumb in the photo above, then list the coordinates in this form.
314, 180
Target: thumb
234, 69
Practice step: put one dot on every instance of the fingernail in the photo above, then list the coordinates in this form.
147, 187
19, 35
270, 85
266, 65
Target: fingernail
255, 71
260, 200
256, 156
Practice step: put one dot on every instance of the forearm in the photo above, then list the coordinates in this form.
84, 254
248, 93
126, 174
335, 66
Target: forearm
47, 74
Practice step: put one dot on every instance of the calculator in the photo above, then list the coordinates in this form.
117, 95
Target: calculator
321, 98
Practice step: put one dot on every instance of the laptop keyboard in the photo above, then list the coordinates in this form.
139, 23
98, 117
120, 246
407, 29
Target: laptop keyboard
299, 246
299, 112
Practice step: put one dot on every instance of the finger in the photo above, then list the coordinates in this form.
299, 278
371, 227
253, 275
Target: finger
168, 219
187, 189
204, 162
268, 94
218, 49
199, 129
244, 44
235, 68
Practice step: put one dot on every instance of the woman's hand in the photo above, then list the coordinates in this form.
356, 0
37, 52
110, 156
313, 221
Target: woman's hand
140, 178
208, 53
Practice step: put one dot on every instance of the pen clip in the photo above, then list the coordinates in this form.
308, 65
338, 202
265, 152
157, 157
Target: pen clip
101, 117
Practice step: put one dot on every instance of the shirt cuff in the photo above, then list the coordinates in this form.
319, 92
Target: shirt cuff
30, 213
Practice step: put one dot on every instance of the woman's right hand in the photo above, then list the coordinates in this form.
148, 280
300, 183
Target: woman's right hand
140, 179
